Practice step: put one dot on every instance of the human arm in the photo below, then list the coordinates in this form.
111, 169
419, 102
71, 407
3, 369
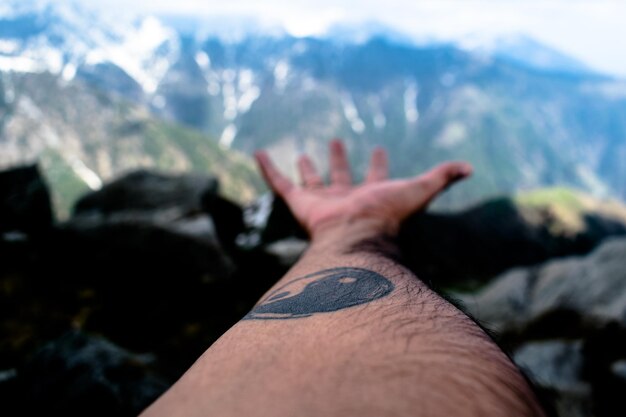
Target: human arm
348, 330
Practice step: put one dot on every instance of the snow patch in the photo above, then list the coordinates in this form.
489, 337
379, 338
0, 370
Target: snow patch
203, 61
249, 92
281, 74
452, 135
230, 101
90, 178
592, 181
352, 114
136, 53
378, 118
228, 135
410, 103
248, 98
8, 47
17, 64
69, 72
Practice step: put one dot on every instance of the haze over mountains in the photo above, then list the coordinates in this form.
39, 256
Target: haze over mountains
525, 115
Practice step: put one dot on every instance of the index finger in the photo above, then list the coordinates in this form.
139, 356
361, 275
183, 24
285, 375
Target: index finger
277, 181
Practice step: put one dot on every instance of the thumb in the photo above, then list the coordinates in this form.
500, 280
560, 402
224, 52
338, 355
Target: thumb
430, 184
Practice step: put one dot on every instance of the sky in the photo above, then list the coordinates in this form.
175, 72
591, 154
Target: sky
586, 30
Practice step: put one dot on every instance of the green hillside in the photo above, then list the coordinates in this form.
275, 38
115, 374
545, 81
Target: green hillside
84, 137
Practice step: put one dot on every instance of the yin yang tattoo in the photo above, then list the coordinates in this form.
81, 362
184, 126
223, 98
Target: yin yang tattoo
322, 292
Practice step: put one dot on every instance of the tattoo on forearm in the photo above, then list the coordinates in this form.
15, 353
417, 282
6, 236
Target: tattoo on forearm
322, 292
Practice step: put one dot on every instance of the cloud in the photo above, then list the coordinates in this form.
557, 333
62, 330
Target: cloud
588, 30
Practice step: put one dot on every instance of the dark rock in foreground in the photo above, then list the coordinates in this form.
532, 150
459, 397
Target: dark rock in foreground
592, 288
476, 244
163, 264
149, 192
24, 201
162, 275
81, 375
565, 321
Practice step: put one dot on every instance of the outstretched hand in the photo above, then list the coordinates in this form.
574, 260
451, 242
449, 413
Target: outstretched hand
382, 202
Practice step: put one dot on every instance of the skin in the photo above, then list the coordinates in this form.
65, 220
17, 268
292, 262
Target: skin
348, 331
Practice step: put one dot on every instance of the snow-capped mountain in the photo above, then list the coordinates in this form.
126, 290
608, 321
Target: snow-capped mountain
64, 38
524, 123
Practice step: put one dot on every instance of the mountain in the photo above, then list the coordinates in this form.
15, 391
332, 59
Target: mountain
83, 137
68, 39
521, 124
526, 51
522, 128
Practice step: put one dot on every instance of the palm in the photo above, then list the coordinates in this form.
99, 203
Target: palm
314, 204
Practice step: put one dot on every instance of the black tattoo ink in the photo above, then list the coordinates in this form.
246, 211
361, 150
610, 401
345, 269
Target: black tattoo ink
322, 292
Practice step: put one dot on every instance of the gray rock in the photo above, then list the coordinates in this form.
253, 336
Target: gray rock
594, 286
554, 364
287, 250
24, 201
145, 194
504, 303
79, 374
619, 369
557, 366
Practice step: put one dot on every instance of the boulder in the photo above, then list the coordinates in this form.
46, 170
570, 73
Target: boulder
79, 375
556, 366
24, 202
451, 249
565, 322
592, 287
164, 196
186, 204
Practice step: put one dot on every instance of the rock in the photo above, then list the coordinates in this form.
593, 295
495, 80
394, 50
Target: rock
504, 303
79, 375
187, 204
281, 224
579, 299
139, 261
288, 251
603, 348
149, 194
618, 369
479, 243
556, 366
148, 279
228, 219
24, 201
593, 287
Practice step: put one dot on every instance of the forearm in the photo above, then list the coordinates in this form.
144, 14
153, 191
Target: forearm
348, 331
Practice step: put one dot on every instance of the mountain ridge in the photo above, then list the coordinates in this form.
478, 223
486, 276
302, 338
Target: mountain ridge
521, 127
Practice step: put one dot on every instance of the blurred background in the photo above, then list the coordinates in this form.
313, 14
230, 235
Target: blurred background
135, 226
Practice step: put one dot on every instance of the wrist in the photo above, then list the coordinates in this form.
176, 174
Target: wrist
346, 233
